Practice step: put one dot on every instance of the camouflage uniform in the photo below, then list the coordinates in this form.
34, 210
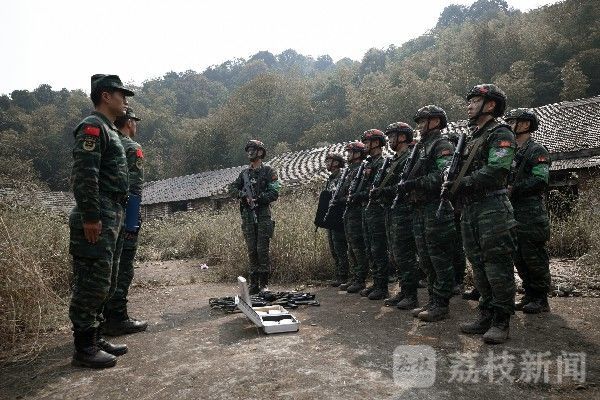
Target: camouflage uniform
398, 223
353, 228
100, 181
117, 305
435, 238
533, 229
337, 238
487, 217
258, 235
374, 227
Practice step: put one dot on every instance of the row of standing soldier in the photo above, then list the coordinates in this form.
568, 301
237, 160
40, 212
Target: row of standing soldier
422, 206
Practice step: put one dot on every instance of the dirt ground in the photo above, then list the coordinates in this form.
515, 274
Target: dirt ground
344, 349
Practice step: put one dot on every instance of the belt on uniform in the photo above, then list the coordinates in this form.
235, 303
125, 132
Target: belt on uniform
120, 198
471, 198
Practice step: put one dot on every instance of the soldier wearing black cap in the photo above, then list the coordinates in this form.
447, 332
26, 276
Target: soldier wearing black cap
117, 320
100, 183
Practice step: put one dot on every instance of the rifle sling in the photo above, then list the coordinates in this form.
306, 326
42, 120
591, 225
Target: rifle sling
466, 165
527, 154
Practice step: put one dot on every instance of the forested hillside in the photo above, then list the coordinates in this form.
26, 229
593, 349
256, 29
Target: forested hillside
194, 121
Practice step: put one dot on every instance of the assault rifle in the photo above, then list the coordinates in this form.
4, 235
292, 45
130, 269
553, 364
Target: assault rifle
336, 192
379, 177
451, 176
357, 181
404, 176
249, 194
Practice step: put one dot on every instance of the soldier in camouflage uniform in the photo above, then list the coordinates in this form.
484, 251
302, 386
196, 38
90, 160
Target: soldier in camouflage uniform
487, 215
435, 236
117, 320
374, 217
100, 182
398, 220
527, 185
353, 225
257, 187
337, 237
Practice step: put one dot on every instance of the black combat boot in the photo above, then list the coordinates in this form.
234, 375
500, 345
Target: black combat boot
381, 290
523, 301
471, 294
263, 281
356, 287
254, 284
537, 305
480, 325
366, 291
498, 332
393, 301
410, 301
416, 311
437, 311
88, 354
117, 324
114, 349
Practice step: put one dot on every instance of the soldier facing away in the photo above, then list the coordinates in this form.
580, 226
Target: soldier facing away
527, 184
100, 183
117, 320
257, 187
487, 215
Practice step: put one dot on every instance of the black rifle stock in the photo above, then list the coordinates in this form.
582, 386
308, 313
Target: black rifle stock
356, 181
453, 173
249, 195
408, 167
379, 177
336, 193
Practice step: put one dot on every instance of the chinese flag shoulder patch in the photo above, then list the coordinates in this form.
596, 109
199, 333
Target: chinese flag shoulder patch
504, 143
542, 159
91, 130
139, 153
446, 152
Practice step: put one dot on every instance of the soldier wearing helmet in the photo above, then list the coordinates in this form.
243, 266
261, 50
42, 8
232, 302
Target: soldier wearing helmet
487, 215
528, 182
435, 237
356, 152
336, 236
374, 217
398, 221
257, 187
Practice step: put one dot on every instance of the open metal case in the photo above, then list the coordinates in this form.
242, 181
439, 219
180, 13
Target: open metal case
272, 319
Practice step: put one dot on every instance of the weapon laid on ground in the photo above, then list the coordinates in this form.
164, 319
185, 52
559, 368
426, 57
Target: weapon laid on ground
452, 175
289, 300
249, 195
379, 177
409, 166
357, 181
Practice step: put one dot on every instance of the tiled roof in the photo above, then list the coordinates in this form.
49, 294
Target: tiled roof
58, 202
564, 127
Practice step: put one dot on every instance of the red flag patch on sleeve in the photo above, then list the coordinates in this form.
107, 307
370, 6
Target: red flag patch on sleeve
504, 143
91, 130
446, 152
139, 153
542, 159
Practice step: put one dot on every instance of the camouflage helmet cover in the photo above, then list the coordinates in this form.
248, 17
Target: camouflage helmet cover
374, 134
257, 144
356, 147
523, 114
432, 111
401, 128
335, 157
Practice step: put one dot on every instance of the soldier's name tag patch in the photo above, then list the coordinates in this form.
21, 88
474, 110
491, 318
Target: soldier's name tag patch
89, 144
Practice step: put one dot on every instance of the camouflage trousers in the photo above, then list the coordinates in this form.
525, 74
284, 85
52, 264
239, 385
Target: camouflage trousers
436, 242
401, 242
353, 227
117, 304
376, 239
339, 251
258, 237
531, 258
459, 263
95, 266
488, 237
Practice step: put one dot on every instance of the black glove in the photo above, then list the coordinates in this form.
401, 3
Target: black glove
375, 193
409, 185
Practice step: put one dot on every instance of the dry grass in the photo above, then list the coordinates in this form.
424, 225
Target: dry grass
297, 253
35, 270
